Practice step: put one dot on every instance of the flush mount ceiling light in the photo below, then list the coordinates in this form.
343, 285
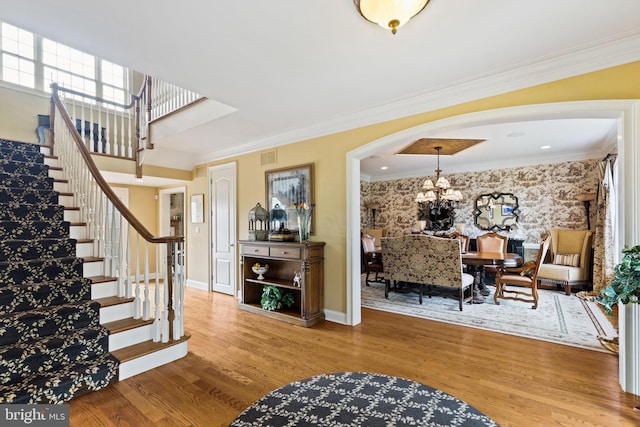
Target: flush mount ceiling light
389, 13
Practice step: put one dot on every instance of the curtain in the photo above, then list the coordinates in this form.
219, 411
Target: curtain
605, 244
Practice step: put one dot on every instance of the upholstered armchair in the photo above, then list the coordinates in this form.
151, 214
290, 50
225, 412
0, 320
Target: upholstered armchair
570, 258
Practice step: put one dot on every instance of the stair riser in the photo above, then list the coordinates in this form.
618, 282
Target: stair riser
84, 249
24, 250
27, 212
103, 290
27, 326
40, 271
78, 232
17, 196
72, 215
16, 169
116, 312
91, 269
46, 357
14, 299
13, 230
56, 173
132, 336
62, 187
26, 181
145, 363
66, 201
21, 147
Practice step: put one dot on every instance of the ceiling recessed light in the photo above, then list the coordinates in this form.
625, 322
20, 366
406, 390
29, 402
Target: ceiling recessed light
384, 168
545, 147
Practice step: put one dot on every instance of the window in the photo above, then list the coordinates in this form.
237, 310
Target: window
35, 62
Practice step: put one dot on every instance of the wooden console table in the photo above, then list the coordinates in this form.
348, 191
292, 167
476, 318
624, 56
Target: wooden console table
284, 259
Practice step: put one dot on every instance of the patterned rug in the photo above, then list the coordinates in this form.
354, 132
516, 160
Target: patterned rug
359, 399
559, 318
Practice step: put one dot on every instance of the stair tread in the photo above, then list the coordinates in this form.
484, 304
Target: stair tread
111, 301
92, 259
126, 324
101, 279
142, 349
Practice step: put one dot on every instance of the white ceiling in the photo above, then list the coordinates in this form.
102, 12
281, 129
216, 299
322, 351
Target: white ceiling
301, 69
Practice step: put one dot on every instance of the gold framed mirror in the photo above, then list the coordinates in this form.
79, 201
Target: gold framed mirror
496, 211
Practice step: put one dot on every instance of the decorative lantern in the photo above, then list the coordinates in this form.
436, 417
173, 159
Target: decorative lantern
258, 223
278, 218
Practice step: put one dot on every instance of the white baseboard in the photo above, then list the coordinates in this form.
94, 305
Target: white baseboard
198, 285
335, 316
153, 360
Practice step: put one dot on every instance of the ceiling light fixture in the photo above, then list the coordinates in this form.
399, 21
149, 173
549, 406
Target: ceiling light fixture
391, 14
436, 203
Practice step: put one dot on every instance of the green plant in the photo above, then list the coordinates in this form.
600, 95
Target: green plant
274, 298
625, 286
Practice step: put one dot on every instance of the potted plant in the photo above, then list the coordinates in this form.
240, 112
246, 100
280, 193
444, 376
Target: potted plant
275, 298
624, 291
625, 286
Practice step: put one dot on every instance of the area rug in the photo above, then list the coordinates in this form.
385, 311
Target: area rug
359, 399
559, 318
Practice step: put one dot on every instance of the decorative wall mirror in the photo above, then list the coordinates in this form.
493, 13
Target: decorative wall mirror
497, 211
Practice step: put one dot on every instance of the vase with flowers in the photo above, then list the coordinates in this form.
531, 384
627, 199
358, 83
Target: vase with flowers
304, 212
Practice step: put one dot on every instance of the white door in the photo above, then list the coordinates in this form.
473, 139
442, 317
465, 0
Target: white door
222, 188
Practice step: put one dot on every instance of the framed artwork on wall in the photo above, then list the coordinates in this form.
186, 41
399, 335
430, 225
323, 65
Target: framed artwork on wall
288, 187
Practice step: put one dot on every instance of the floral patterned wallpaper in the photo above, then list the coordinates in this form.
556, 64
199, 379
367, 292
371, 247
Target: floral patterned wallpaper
546, 195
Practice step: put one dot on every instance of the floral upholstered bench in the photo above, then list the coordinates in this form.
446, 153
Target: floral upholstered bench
424, 261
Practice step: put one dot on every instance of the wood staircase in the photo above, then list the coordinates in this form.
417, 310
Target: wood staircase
130, 339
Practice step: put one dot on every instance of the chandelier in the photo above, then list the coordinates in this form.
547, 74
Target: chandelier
391, 14
437, 201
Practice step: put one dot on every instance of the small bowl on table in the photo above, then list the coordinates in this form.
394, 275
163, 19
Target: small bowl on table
260, 270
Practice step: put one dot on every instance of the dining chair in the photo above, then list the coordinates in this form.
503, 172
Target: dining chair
371, 259
491, 242
524, 276
463, 238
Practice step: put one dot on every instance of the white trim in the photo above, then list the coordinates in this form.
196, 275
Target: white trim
624, 110
590, 59
197, 285
152, 360
335, 316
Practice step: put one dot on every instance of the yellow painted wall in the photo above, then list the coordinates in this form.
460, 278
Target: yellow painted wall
19, 113
329, 156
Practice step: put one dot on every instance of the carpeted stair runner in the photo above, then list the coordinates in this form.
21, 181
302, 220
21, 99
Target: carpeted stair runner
52, 346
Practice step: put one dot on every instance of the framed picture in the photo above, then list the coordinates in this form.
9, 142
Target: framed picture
288, 187
197, 203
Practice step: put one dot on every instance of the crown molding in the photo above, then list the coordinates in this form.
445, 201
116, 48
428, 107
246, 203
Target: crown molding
583, 60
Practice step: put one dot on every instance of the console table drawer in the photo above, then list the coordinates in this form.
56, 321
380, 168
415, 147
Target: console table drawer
255, 250
291, 253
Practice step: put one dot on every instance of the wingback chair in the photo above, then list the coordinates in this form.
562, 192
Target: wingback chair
570, 264
525, 276
425, 261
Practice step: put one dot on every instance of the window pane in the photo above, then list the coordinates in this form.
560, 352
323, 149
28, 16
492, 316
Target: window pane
18, 70
113, 94
17, 41
112, 74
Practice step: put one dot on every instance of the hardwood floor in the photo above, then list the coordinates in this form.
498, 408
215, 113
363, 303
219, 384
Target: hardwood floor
236, 357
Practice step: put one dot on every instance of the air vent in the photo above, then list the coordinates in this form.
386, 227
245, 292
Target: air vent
268, 158
201, 172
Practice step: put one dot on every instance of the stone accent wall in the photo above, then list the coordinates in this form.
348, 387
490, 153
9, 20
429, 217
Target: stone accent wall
546, 195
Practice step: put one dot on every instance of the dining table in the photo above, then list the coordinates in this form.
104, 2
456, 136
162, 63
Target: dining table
475, 262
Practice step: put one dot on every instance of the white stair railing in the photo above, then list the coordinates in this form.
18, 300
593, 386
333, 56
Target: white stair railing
127, 247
